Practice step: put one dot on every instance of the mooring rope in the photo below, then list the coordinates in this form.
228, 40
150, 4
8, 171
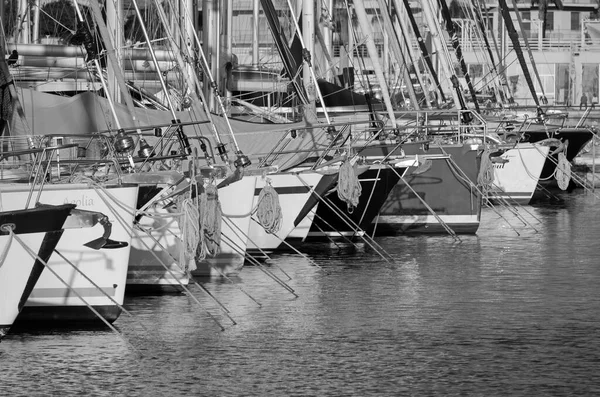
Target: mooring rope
210, 222
189, 225
349, 188
485, 179
563, 171
268, 209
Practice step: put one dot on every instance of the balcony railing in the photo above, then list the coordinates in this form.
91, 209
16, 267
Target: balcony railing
528, 2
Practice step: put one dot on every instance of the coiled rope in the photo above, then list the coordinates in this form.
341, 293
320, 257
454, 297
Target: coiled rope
485, 179
349, 188
563, 171
189, 225
210, 223
268, 209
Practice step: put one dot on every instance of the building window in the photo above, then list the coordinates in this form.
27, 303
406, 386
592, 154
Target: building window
575, 20
589, 77
550, 21
526, 17
476, 70
562, 92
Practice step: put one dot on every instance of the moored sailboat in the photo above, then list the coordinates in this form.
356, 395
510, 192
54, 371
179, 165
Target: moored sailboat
517, 173
438, 194
294, 191
94, 277
39, 230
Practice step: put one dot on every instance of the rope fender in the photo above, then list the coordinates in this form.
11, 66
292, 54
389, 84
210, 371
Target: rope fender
189, 224
210, 222
485, 179
563, 171
268, 210
349, 188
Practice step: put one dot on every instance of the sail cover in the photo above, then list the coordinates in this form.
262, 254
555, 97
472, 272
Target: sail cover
88, 112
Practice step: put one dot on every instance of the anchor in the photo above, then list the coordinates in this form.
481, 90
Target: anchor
83, 218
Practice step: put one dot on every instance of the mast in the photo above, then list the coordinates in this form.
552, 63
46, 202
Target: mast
458, 51
459, 101
210, 46
242, 160
189, 26
514, 37
255, 31
289, 64
349, 58
365, 26
394, 42
326, 32
36, 22
528, 48
22, 35
228, 49
422, 47
190, 75
92, 54
407, 49
501, 74
183, 139
114, 69
306, 55
323, 34
308, 35
114, 15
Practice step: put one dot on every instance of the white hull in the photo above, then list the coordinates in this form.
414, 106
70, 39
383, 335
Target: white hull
293, 194
516, 179
300, 232
15, 270
106, 268
236, 205
146, 272
154, 258
455, 222
337, 234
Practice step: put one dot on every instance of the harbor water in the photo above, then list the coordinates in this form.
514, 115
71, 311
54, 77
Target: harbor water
513, 310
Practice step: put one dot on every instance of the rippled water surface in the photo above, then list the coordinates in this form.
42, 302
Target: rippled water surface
513, 310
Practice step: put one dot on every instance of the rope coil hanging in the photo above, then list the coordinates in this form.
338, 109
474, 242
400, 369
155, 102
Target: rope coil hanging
349, 188
189, 224
268, 209
210, 223
563, 171
485, 178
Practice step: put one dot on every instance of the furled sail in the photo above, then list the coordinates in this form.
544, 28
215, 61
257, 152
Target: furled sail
514, 37
424, 51
88, 113
500, 73
290, 64
458, 51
